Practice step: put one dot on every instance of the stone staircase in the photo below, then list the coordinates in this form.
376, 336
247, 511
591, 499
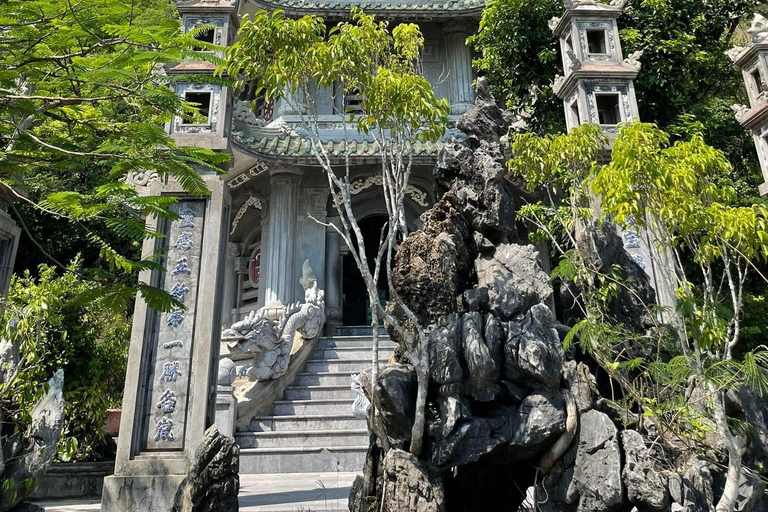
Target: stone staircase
312, 428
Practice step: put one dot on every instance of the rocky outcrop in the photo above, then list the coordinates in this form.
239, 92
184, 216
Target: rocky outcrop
26, 454
409, 485
213, 482
646, 486
597, 469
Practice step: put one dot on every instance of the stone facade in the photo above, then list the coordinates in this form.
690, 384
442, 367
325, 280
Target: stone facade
753, 62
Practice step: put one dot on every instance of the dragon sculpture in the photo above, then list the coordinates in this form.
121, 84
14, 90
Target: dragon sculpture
270, 342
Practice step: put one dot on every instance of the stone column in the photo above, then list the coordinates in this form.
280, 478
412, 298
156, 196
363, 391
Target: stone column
459, 66
333, 278
9, 244
264, 260
170, 383
280, 249
231, 283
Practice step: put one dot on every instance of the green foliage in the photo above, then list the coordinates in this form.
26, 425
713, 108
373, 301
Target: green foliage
47, 318
363, 56
82, 105
683, 41
677, 191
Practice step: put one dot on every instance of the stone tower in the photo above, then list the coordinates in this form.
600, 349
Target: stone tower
598, 83
753, 62
169, 400
598, 88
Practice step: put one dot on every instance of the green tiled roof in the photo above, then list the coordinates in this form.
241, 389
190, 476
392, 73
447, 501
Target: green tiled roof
286, 145
434, 6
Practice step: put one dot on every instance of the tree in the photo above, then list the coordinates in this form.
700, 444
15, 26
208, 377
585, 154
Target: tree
682, 41
53, 328
82, 105
290, 58
676, 191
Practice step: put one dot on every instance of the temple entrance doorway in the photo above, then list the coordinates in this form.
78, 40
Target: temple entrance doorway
355, 305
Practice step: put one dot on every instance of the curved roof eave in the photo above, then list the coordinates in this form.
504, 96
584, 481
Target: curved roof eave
426, 10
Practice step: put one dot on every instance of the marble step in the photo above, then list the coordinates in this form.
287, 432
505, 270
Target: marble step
354, 341
324, 379
319, 392
306, 422
340, 365
306, 438
302, 459
354, 330
313, 407
349, 353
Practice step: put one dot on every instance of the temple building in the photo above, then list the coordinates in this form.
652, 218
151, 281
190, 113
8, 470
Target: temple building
275, 183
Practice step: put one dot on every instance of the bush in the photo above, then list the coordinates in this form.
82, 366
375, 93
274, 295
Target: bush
58, 321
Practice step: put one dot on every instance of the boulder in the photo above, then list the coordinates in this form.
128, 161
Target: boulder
646, 487
409, 485
514, 279
485, 119
697, 486
582, 385
445, 352
27, 457
536, 424
483, 376
397, 393
532, 350
471, 440
596, 480
213, 483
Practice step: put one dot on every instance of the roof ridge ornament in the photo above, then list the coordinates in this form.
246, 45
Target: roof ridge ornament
633, 61
758, 29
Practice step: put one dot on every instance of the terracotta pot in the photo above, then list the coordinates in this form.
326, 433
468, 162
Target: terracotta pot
113, 422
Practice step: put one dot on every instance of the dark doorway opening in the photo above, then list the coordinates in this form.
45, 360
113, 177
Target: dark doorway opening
355, 305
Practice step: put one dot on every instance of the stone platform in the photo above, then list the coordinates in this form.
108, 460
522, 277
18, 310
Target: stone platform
285, 492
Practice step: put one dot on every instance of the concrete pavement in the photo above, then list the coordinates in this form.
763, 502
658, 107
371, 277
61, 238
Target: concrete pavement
286, 492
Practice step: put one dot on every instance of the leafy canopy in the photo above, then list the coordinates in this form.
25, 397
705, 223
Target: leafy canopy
83, 102
288, 56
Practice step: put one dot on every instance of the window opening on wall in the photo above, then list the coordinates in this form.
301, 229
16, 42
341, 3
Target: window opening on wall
206, 36
757, 81
596, 41
569, 43
353, 102
201, 101
254, 267
573, 112
608, 108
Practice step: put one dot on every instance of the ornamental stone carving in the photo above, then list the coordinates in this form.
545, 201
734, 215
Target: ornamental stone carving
740, 111
633, 61
758, 30
360, 184
270, 342
251, 202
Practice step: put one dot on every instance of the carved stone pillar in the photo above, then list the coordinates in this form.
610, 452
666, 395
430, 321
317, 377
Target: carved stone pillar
459, 66
264, 259
231, 284
281, 237
333, 277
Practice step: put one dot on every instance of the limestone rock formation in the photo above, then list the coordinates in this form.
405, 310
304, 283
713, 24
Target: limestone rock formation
509, 420
26, 455
213, 482
408, 485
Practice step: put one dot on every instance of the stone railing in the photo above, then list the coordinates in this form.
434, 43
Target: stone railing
268, 348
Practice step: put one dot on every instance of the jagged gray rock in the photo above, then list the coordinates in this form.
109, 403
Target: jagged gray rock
213, 483
514, 279
581, 383
482, 384
536, 424
532, 351
597, 471
697, 486
397, 393
485, 119
408, 485
646, 487
27, 455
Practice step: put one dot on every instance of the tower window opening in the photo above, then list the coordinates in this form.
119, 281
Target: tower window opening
608, 108
201, 101
206, 36
596, 41
573, 111
757, 80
